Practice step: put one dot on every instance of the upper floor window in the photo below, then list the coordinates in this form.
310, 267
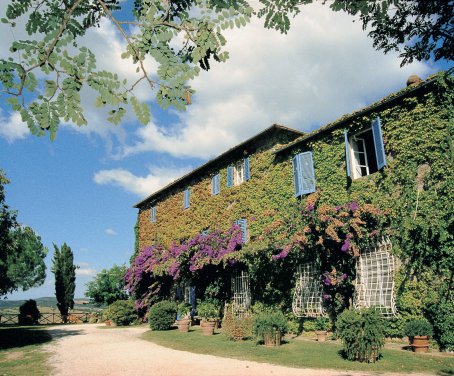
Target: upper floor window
186, 198
153, 214
238, 173
216, 184
303, 174
365, 153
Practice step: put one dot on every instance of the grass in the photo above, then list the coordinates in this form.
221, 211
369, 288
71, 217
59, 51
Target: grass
21, 353
301, 353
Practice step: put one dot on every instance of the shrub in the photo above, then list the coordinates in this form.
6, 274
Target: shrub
309, 325
237, 328
162, 315
29, 313
269, 323
362, 334
121, 312
394, 327
207, 310
322, 323
441, 314
418, 327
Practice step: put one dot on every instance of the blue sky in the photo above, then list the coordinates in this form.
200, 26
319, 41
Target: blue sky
80, 189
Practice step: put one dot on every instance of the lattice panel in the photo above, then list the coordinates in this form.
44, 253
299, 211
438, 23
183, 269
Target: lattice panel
307, 298
375, 279
241, 293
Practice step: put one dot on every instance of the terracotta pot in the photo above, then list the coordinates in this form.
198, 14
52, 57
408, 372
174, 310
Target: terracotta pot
272, 339
183, 325
208, 327
420, 344
108, 323
321, 335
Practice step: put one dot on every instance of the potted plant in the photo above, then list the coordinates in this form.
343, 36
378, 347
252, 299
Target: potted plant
418, 332
321, 328
183, 320
209, 313
269, 327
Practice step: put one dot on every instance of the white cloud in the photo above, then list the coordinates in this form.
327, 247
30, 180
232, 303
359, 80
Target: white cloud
141, 186
110, 231
82, 263
12, 128
85, 272
323, 68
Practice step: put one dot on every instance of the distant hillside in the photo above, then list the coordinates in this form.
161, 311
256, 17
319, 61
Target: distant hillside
51, 302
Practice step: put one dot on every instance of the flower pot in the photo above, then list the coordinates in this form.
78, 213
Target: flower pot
208, 327
183, 325
420, 344
321, 335
108, 322
272, 339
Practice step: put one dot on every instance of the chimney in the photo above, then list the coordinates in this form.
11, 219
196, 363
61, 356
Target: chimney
414, 79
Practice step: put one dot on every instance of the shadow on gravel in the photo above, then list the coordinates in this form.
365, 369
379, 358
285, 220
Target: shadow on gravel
20, 337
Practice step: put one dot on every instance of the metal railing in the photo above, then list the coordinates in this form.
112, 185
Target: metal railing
48, 318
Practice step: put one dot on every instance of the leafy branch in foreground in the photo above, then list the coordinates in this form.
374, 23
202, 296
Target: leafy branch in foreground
45, 78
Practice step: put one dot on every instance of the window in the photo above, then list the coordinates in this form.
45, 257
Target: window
153, 214
216, 184
243, 225
303, 173
238, 173
187, 195
365, 153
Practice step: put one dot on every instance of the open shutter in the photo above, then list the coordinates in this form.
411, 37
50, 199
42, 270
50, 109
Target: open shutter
153, 214
378, 141
307, 172
230, 176
247, 171
186, 200
217, 183
297, 175
243, 225
347, 153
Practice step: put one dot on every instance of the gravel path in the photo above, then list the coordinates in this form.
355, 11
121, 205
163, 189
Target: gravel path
87, 350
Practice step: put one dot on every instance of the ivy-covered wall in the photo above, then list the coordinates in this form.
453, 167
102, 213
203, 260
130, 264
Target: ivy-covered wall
269, 190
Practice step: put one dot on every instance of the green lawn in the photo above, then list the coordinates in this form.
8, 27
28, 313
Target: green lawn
21, 353
302, 353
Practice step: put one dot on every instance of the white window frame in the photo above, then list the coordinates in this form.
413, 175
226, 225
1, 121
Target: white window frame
354, 162
238, 173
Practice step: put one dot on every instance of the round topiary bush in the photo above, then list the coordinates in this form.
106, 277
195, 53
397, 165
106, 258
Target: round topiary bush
418, 327
121, 312
162, 315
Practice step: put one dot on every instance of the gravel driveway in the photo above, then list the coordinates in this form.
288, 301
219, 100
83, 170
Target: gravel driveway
86, 349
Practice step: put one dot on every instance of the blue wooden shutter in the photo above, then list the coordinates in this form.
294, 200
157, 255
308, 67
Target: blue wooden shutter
247, 170
347, 153
216, 184
230, 176
186, 198
378, 141
297, 175
243, 225
307, 173
153, 214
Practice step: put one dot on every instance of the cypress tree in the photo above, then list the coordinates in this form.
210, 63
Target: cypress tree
65, 278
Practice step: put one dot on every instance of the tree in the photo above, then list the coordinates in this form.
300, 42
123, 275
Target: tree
21, 251
181, 36
108, 286
65, 278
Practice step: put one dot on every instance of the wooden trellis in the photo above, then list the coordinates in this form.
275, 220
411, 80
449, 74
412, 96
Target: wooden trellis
307, 296
374, 285
241, 292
